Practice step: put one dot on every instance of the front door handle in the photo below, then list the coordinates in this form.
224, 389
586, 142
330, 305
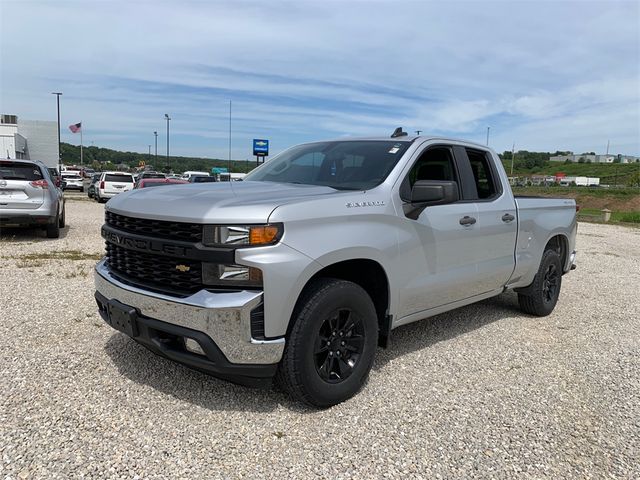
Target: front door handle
507, 217
467, 220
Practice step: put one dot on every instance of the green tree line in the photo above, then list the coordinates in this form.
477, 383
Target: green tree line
101, 158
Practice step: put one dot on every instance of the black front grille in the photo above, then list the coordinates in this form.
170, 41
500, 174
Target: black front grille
168, 274
185, 232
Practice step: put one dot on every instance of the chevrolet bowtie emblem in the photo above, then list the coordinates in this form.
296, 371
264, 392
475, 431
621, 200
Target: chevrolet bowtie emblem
183, 268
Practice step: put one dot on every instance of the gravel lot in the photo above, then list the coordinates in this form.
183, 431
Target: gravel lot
479, 392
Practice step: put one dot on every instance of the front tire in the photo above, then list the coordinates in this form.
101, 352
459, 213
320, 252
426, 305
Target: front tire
541, 296
332, 343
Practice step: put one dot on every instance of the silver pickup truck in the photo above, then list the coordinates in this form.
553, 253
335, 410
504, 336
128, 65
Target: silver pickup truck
302, 270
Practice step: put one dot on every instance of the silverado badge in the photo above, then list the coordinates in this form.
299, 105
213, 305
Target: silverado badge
183, 268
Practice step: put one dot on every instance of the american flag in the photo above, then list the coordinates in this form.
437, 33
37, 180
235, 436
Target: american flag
76, 127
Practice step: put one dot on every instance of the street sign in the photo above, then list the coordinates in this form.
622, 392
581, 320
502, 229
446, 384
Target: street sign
219, 170
260, 147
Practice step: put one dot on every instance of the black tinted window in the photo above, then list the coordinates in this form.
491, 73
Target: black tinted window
348, 165
112, 177
19, 171
481, 168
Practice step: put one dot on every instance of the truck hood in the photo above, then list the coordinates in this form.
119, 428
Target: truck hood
223, 202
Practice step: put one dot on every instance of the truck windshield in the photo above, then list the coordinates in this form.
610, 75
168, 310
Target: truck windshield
343, 165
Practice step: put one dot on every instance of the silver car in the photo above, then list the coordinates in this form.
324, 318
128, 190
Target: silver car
29, 197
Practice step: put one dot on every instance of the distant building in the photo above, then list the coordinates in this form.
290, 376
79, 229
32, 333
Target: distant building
589, 158
29, 139
580, 181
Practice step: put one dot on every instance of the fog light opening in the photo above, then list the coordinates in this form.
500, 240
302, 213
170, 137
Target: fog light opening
193, 346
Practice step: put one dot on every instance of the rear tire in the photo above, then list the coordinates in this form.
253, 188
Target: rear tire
332, 343
61, 221
541, 296
53, 229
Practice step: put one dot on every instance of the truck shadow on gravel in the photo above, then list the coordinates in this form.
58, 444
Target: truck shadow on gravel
144, 367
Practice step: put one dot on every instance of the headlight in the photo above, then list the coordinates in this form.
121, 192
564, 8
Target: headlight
242, 235
216, 274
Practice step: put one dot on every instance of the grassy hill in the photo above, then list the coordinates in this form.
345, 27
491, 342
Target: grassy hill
609, 173
106, 159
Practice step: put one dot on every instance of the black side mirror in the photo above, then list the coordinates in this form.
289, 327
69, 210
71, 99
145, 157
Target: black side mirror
430, 192
434, 192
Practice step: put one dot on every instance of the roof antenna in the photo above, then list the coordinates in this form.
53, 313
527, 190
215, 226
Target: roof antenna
398, 133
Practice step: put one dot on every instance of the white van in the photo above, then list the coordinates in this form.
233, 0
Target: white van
187, 175
113, 183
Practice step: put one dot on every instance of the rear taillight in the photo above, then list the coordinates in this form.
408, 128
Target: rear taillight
577, 207
102, 185
39, 184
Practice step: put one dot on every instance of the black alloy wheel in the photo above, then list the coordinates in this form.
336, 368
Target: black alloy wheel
339, 345
550, 284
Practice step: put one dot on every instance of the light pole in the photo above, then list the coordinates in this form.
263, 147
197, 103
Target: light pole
149, 153
155, 134
166, 115
229, 162
488, 128
57, 94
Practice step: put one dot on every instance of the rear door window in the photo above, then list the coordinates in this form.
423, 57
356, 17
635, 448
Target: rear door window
482, 174
20, 171
112, 177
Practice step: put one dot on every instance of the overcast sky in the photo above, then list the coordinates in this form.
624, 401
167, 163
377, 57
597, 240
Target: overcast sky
545, 75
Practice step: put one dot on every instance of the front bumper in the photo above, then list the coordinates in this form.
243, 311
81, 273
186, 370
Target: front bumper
218, 321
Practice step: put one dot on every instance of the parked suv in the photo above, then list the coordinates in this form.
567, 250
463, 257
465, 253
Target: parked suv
72, 182
29, 197
92, 188
113, 183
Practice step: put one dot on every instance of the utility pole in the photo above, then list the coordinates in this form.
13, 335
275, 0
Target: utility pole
57, 94
167, 117
149, 153
418, 132
488, 128
513, 154
607, 147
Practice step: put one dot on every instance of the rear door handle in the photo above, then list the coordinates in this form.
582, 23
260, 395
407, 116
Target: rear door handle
467, 220
507, 217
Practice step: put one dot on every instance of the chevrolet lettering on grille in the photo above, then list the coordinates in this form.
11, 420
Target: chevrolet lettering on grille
144, 245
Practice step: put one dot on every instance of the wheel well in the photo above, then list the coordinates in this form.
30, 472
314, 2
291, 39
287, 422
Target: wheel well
559, 245
369, 275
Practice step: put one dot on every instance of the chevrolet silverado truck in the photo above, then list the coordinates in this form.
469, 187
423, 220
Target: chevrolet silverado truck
303, 269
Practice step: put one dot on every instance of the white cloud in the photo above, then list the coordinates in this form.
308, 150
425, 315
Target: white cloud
548, 75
